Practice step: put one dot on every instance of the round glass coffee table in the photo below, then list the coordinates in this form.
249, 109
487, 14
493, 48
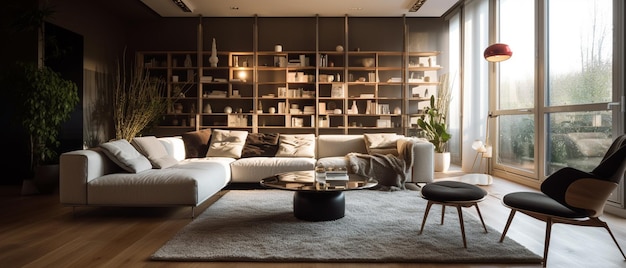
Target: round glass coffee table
318, 197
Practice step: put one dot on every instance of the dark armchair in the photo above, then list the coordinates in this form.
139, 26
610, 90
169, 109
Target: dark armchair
572, 196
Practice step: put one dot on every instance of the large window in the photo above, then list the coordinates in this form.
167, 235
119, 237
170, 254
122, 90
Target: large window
579, 74
516, 94
553, 96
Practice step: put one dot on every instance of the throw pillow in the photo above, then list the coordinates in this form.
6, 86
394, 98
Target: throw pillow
296, 145
381, 143
154, 150
227, 143
196, 143
260, 144
126, 156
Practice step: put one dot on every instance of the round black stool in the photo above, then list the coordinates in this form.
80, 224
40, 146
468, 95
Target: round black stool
453, 193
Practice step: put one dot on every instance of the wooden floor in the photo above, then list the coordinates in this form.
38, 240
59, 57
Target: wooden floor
36, 231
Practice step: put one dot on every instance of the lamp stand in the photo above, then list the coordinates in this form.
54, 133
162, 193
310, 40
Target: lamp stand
481, 178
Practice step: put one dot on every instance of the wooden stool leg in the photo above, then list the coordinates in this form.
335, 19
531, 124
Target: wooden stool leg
458, 209
443, 212
425, 216
481, 217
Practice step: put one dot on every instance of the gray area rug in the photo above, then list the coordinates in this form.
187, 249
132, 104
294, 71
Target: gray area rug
258, 225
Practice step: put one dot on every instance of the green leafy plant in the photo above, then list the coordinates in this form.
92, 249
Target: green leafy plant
434, 127
45, 100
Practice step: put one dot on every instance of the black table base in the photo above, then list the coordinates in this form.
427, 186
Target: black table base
319, 206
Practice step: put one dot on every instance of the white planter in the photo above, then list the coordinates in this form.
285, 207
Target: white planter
442, 162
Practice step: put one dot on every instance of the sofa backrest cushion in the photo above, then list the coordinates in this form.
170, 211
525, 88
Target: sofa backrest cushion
227, 143
196, 143
339, 145
296, 145
126, 156
153, 149
174, 146
382, 143
260, 144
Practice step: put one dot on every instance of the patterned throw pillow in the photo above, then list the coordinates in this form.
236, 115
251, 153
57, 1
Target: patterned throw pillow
227, 143
296, 145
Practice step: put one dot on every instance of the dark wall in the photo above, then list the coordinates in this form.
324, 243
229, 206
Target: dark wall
65, 55
294, 34
17, 45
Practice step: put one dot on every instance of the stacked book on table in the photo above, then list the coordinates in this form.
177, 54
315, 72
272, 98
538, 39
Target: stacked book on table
339, 175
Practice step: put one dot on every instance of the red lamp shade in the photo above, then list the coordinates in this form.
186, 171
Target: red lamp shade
498, 52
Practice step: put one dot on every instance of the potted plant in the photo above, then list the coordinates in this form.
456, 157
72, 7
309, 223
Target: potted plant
434, 126
44, 100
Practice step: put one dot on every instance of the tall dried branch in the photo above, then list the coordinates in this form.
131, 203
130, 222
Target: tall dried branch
137, 100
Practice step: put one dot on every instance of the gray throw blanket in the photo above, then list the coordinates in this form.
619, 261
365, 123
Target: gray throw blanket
389, 170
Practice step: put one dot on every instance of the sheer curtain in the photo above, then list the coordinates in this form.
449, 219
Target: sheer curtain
475, 95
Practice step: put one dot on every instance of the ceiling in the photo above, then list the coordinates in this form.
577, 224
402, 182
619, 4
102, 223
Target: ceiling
300, 8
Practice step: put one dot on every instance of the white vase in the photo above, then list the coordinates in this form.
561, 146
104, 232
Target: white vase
354, 109
442, 162
213, 59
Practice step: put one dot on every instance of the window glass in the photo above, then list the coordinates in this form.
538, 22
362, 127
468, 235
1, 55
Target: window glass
578, 139
579, 51
517, 74
516, 141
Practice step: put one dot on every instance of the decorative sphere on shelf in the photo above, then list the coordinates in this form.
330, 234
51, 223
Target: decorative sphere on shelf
339, 48
368, 62
228, 109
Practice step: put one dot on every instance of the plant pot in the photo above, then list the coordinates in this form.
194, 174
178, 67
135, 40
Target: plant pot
45, 180
442, 162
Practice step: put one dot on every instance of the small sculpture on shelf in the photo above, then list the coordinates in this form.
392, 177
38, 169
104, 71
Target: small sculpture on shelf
213, 59
188, 62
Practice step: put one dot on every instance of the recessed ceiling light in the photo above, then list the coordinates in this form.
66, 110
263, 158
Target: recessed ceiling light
234, 8
185, 7
356, 8
416, 6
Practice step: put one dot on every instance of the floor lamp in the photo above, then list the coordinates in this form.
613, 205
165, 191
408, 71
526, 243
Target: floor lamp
494, 53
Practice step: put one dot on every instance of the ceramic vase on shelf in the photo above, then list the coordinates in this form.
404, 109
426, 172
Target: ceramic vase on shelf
354, 109
213, 59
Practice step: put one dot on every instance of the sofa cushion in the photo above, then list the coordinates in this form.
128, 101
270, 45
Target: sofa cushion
260, 144
227, 143
253, 169
339, 145
381, 143
296, 145
188, 183
153, 149
335, 162
126, 156
174, 147
196, 143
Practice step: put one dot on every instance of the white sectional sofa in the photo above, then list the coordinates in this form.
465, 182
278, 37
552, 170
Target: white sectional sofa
90, 177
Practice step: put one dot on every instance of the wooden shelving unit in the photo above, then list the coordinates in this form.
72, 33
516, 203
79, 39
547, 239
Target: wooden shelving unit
295, 91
